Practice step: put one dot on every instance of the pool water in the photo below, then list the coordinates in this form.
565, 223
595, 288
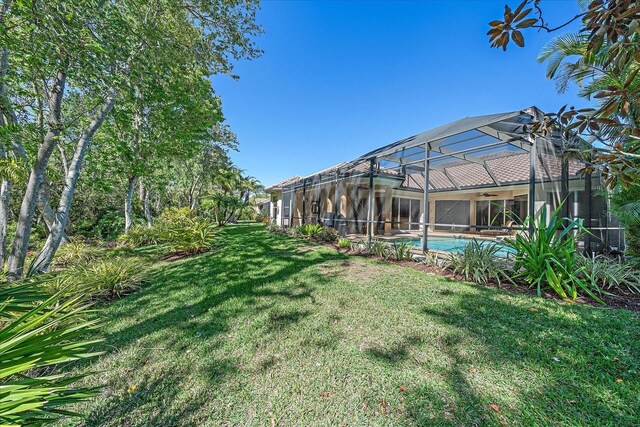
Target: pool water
457, 244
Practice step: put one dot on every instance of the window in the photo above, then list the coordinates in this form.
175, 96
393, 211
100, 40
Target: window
499, 213
405, 213
482, 213
497, 209
452, 215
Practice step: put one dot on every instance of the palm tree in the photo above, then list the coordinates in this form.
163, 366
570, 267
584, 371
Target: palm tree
568, 61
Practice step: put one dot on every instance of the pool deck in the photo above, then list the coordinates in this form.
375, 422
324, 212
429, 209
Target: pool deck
418, 235
417, 252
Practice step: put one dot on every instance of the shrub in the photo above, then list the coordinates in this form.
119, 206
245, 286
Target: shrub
344, 243
293, 231
194, 236
274, 228
75, 251
399, 251
176, 216
108, 227
180, 229
608, 274
478, 263
377, 248
547, 258
38, 332
141, 235
626, 206
105, 280
327, 234
309, 230
431, 259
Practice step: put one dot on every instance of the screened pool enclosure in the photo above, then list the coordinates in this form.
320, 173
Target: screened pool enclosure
477, 176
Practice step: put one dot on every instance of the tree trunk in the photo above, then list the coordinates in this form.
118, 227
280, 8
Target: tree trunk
54, 239
5, 186
144, 199
48, 215
128, 219
15, 265
5, 194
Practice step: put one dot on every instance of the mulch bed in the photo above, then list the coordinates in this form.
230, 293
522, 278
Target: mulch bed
625, 301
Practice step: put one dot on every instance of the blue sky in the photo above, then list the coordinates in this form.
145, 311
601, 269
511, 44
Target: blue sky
338, 79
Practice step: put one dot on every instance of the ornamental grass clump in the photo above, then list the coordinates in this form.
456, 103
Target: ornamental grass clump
399, 251
104, 280
478, 263
141, 235
75, 251
610, 275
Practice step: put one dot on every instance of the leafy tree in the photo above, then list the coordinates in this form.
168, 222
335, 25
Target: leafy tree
66, 64
604, 59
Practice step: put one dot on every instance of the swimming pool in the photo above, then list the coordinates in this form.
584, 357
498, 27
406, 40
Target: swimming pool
456, 244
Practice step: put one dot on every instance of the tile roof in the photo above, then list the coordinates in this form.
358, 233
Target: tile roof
283, 183
508, 168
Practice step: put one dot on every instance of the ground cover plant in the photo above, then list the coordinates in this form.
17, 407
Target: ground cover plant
479, 263
271, 330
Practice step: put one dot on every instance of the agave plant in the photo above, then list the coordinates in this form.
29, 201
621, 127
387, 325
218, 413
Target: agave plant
547, 257
37, 333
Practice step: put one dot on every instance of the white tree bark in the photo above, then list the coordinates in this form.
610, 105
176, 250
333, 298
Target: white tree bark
146, 206
44, 258
128, 218
15, 264
5, 194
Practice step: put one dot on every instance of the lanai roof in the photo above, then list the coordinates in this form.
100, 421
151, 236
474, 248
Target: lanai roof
473, 152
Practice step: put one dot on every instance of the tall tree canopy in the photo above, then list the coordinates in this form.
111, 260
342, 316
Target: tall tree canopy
132, 74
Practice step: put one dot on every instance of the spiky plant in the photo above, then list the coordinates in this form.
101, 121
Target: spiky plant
38, 333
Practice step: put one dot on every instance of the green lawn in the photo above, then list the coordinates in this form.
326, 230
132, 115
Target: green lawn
270, 330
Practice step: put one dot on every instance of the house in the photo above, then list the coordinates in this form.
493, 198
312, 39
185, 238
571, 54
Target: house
478, 175
262, 205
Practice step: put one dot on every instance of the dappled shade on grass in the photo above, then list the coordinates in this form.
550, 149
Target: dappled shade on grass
269, 330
